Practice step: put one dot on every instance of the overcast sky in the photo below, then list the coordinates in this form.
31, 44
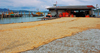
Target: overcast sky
42, 4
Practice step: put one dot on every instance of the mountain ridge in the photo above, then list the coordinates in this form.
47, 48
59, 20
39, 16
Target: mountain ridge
6, 10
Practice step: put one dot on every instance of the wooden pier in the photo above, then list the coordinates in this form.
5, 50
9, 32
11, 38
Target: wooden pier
8, 16
98, 16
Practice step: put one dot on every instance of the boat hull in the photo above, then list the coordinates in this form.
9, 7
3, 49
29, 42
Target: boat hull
34, 15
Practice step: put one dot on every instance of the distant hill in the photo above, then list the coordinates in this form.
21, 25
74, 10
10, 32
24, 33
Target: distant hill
3, 10
26, 11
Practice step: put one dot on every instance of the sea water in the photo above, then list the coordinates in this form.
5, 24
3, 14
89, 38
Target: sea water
18, 19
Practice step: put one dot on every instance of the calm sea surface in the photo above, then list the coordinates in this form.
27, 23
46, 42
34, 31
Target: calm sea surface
22, 19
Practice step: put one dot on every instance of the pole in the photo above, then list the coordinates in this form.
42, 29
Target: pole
44, 14
29, 13
98, 12
6, 14
9, 16
56, 13
18, 14
14, 14
97, 8
2, 15
56, 10
21, 12
24, 13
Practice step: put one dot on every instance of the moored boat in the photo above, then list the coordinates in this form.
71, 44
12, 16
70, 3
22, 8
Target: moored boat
37, 14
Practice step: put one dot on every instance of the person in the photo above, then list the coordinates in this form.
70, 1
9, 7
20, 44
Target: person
49, 15
60, 15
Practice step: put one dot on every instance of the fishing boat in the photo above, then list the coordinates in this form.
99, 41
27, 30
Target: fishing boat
37, 14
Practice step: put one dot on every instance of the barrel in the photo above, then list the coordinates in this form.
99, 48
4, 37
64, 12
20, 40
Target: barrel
64, 14
71, 15
60, 15
87, 16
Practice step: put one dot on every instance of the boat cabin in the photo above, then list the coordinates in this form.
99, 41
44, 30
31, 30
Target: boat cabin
72, 11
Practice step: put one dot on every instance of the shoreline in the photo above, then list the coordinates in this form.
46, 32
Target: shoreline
52, 19
34, 34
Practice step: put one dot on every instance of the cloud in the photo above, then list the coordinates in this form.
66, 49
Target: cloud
42, 4
20, 3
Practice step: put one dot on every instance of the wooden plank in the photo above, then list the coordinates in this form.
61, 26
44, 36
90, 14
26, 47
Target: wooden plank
47, 18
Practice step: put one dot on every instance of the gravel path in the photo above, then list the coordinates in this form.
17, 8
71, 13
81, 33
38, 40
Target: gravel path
83, 42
